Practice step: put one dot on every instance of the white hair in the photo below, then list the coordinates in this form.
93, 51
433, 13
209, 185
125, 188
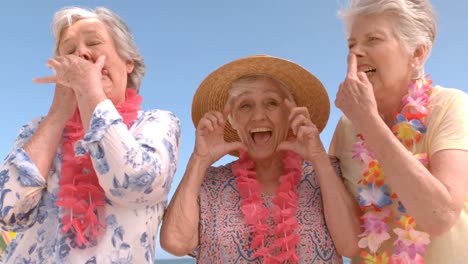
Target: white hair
415, 20
119, 31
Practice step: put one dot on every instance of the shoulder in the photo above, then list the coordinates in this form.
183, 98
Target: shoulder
344, 128
219, 173
157, 115
309, 170
31, 126
218, 181
160, 121
443, 95
447, 102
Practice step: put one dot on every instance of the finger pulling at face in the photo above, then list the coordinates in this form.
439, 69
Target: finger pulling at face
306, 140
209, 142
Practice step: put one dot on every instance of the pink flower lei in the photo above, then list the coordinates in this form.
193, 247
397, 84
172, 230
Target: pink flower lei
80, 194
374, 196
284, 208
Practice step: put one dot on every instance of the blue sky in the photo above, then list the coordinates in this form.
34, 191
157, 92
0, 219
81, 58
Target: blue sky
183, 41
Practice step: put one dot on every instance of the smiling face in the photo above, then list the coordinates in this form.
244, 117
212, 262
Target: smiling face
260, 116
89, 39
383, 58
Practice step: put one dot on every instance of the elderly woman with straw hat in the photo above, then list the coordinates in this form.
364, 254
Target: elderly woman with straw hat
283, 200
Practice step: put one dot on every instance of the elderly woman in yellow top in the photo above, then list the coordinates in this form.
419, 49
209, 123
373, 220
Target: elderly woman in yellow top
402, 142
88, 182
265, 207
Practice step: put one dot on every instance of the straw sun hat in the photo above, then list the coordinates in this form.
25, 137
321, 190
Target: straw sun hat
307, 90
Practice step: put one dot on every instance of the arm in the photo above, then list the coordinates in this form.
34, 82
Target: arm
433, 197
180, 228
443, 187
135, 167
21, 184
340, 208
26, 169
43, 144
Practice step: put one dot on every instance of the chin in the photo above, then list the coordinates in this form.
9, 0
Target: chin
262, 154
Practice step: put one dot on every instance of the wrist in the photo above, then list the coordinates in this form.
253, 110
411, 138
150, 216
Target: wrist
366, 123
318, 158
201, 161
57, 119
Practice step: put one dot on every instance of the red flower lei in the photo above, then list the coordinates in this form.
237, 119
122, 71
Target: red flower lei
80, 194
374, 196
284, 208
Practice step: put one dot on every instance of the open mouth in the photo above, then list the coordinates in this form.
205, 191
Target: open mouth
370, 71
260, 135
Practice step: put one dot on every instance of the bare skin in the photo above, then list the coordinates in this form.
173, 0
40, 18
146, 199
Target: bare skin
434, 197
88, 70
254, 111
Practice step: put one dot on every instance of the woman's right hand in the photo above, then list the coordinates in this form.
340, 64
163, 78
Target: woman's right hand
209, 143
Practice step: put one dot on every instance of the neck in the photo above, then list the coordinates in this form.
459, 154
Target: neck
268, 172
389, 104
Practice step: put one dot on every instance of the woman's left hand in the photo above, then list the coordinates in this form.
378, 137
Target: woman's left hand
81, 75
306, 140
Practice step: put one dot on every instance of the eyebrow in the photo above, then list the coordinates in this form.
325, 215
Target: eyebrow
273, 91
375, 31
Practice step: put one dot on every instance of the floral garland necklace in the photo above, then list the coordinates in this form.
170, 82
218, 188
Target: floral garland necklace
285, 202
80, 194
374, 196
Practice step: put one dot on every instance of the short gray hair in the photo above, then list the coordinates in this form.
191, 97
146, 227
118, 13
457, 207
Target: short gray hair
118, 30
415, 19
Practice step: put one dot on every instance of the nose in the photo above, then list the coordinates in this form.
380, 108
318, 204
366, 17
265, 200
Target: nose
258, 114
358, 50
83, 52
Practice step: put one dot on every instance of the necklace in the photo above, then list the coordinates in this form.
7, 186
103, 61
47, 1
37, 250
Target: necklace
283, 248
80, 194
374, 196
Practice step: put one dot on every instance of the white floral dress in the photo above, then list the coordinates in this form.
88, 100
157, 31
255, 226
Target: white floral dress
135, 167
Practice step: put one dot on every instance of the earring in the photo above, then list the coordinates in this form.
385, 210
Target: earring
412, 65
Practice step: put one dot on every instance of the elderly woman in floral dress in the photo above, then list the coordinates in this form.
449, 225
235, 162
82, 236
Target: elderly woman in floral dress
265, 207
88, 183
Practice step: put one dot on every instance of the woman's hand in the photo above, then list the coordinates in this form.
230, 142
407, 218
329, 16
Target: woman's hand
355, 96
81, 75
307, 141
209, 143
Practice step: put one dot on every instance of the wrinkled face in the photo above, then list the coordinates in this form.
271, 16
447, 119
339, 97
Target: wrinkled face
260, 117
89, 39
380, 54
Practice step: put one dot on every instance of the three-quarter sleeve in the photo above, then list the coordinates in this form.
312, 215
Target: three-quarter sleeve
21, 184
135, 166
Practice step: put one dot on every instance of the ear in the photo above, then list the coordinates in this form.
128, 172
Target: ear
130, 66
419, 56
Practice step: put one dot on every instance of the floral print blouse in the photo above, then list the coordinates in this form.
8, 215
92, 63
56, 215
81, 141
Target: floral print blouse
139, 163
224, 237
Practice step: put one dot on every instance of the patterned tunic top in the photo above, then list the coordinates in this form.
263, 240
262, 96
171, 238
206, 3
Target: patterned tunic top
135, 168
224, 237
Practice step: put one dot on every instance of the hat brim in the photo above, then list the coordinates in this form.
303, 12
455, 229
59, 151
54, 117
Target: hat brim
307, 90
